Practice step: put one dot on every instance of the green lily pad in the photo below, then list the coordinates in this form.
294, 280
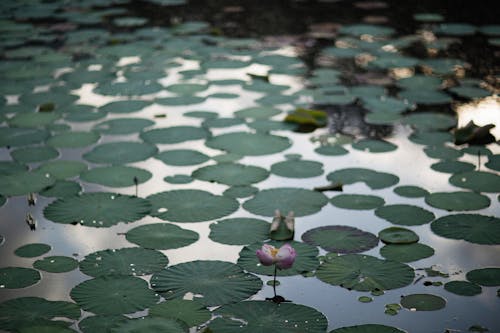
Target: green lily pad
191, 206
301, 201
211, 282
186, 88
178, 179
425, 97
374, 179
463, 288
488, 277
491, 29
257, 112
374, 146
253, 144
180, 100
18, 277
428, 121
391, 60
397, 235
443, 65
62, 189
231, 174
116, 176
368, 328
297, 169
455, 29
128, 106
366, 29
470, 92
73, 139
239, 231
365, 273
493, 162
418, 81
202, 114
32, 250
152, 325
56, 264
457, 201
125, 261
357, 201
11, 167
222, 122
443, 152
431, 138
406, 252
335, 150
473, 228
262, 317
98, 209
113, 295
182, 157
340, 239
128, 88
174, 134
265, 125
386, 105
191, 312
478, 181
381, 118
305, 261
100, 323
240, 191
403, 214
411, 191
16, 137
423, 302
120, 152
33, 119
453, 167
161, 236
25, 182
62, 169
123, 126
34, 154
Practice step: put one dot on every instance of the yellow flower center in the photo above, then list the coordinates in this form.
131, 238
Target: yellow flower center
274, 252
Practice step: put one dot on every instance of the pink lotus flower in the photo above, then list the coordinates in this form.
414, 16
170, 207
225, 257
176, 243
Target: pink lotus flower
283, 257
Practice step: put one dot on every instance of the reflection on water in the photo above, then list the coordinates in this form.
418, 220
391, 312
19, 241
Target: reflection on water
482, 112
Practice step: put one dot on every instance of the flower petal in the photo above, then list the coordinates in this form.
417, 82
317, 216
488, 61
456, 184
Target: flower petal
285, 257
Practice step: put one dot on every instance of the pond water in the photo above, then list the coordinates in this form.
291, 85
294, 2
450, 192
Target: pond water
391, 82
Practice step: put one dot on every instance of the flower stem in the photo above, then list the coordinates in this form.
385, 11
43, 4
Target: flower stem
274, 281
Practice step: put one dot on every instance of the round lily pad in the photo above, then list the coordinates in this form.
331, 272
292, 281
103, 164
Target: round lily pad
253, 144
123, 126
61, 189
98, 209
357, 201
178, 179
125, 261
380, 118
63, 169
202, 114
211, 282
222, 122
116, 176
100, 323
442, 152
478, 181
262, 316
430, 138
128, 88
403, 214
397, 235
368, 328
191, 312
239, 231
423, 302
34, 154
73, 139
420, 82
340, 239
453, 167
411, 191
161, 236
231, 174
335, 150
114, 295
120, 152
366, 29
257, 112
457, 201
151, 325
174, 134
180, 100
265, 125
33, 119
128, 106
463, 288
297, 169
191, 206
406, 252
186, 88
493, 162
365, 273
18, 277
374, 179
240, 191
305, 261
182, 157
425, 97
455, 29
430, 121
25, 182
386, 105
286, 199
470, 92
56, 264
473, 228
32, 250
488, 277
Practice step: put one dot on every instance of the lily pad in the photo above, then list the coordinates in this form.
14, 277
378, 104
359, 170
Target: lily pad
428, 121
182, 157
161, 236
222, 122
406, 252
239, 231
368, 328
231, 174
125, 261
176, 134
33, 119
23, 183
257, 112
116, 176
357, 201
366, 29
442, 152
306, 260
18, 277
478, 181
186, 88
425, 97
488, 277
178, 179
385, 105
381, 118
56, 264
463, 288
297, 169
61, 189
411, 191
253, 144
455, 29
374, 179
340, 239
211, 282
123, 126
365, 273
431, 138
180, 100
286, 199
397, 235
457, 201
34, 154
423, 302
98, 209
240, 191
32, 250
416, 82
72, 139
473, 228
470, 92
151, 325
191, 312
335, 150
262, 317
374, 146
128, 106
120, 152
128, 88
403, 214
191, 206
493, 162
453, 167
63, 169
101, 323
114, 295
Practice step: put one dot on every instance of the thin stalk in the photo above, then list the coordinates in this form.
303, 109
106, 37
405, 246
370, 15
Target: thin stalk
274, 281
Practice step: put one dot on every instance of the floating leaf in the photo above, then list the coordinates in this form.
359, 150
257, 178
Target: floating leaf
386, 105
357, 201
470, 92
123, 126
25, 182
239, 231
120, 152
33, 119
128, 88
428, 121
340, 239
410, 191
180, 100
178, 179
463, 288
335, 150
125, 261
32, 250
182, 157
186, 88
403, 214
366, 29
406, 252
453, 167
161, 236
248, 143
191, 312
174, 134
100, 323
222, 122
442, 152
368, 328
397, 235
457, 200
211, 282
425, 97
478, 181
374, 179
231, 174
488, 277
62, 189
18, 277
423, 302
430, 138
73, 139
297, 169
240, 191
455, 29
56, 264
306, 117
257, 112
62, 169
127, 106
152, 325
34, 154
116, 176
493, 162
